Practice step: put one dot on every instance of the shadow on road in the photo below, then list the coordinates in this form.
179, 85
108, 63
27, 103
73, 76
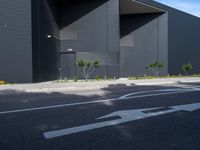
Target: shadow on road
13, 99
24, 130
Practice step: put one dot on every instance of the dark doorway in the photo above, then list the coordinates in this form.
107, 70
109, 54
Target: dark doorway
68, 65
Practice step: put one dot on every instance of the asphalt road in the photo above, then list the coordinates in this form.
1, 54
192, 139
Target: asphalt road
113, 118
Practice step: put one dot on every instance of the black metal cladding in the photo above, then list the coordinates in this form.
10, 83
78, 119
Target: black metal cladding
15, 41
72, 10
46, 42
143, 41
55, 25
132, 22
91, 29
183, 38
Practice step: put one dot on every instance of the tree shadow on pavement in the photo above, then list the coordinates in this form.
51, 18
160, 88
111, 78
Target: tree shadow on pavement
16, 99
24, 130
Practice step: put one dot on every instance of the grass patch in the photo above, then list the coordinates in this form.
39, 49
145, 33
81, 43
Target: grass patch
162, 77
97, 78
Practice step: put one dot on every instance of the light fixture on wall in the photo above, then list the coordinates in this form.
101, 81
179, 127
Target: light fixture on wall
69, 50
49, 36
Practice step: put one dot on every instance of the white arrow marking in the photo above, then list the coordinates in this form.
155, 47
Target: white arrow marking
125, 116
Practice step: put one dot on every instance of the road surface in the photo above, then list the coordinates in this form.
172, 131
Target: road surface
113, 118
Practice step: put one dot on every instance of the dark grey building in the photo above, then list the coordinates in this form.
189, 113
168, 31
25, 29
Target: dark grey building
42, 39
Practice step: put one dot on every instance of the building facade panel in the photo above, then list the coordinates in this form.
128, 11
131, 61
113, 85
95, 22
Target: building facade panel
42, 40
87, 30
183, 35
163, 42
15, 41
92, 32
141, 44
183, 41
46, 40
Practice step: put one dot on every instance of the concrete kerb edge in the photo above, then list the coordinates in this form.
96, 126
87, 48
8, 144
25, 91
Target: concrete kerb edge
93, 87
104, 85
74, 88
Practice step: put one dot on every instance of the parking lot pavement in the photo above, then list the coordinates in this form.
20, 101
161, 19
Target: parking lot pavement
120, 118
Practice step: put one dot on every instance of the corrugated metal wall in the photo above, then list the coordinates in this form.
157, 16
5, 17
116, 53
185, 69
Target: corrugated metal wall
183, 38
143, 42
46, 40
91, 30
184, 45
15, 41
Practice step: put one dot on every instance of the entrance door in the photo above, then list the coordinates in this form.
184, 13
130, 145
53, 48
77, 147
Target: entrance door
68, 65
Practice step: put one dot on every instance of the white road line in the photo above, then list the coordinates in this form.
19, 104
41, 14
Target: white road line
125, 116
143, 92
98, 101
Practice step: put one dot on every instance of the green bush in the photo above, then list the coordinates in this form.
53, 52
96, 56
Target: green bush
2, 82
196, 75
132, 78
151, 77
187, 68
87, 67
98, 77
75, 79
173, 76
155, 67
136, 77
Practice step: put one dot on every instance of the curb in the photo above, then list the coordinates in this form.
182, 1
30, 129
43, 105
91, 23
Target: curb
61, 89
84, 87
156, 83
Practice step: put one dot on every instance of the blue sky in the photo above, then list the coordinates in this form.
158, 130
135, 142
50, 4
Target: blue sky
189, 6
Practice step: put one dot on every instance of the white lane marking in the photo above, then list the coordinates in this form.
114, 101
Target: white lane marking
144, 92
125, 116
182, 89
128, 96
165, 90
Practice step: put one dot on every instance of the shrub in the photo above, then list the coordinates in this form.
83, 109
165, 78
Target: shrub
151, 77
87, 67
98, 77
2, 82
196, 75
187, 68
75, 79
132, 78
155, 67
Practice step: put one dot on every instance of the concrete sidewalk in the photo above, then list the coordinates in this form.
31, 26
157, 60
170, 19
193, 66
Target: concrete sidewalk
82, 85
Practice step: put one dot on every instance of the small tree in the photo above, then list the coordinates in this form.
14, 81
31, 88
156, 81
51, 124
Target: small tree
87, 67
186, 68
155, 67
